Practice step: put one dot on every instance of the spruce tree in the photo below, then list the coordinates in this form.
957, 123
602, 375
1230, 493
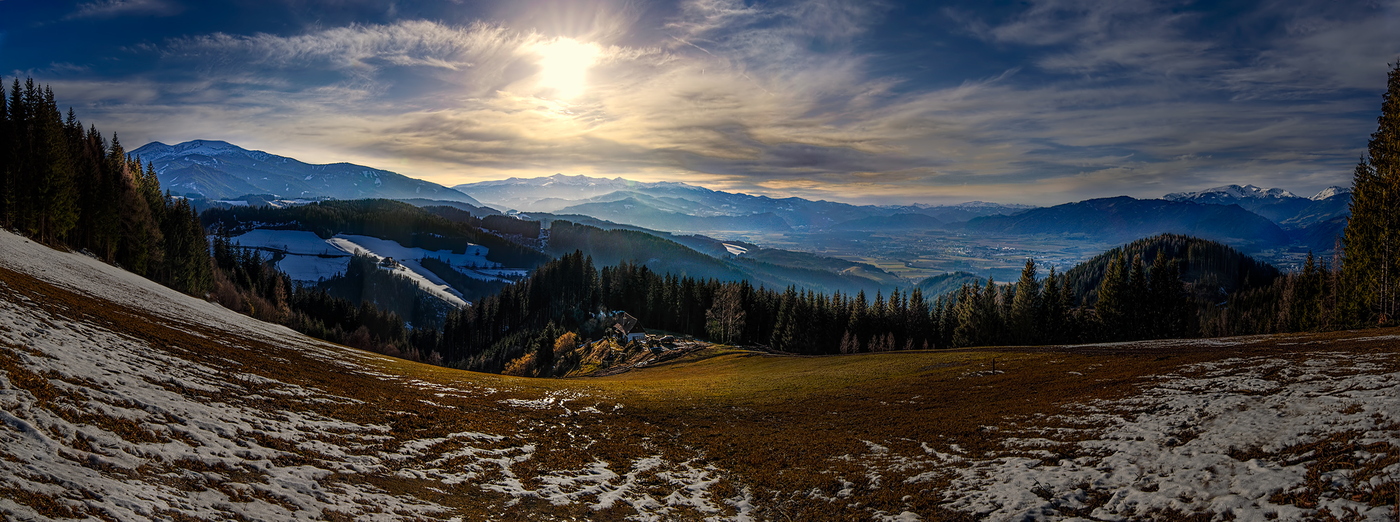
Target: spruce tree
1052, 313
1371, 242
1026, 307
1136, 324
6, 158
1112, 306
57, 196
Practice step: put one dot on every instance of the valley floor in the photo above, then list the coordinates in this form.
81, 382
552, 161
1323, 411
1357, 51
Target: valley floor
123, 400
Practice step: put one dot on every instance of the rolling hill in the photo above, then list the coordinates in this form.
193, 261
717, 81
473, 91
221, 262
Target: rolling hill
1212, 270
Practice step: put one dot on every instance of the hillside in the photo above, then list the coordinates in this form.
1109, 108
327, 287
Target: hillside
1124, 219
948, 283
406, 224
218, 170
126, 400
775, 269
1212, 269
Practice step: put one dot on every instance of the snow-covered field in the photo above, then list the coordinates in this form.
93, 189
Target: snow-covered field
1228, 437
309, 258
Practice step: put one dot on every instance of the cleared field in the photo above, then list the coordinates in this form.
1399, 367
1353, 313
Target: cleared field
124, 400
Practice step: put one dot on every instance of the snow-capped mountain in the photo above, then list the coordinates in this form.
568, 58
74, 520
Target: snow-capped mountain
1230, 194
220, 170
1289, 210
1330, 192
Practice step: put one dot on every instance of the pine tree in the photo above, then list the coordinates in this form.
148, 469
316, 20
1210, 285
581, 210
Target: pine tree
1026, 307
1113, 306
1371, 242
785, 330
1136, 323
1052, 312
1168, 307
6, 157
57, 196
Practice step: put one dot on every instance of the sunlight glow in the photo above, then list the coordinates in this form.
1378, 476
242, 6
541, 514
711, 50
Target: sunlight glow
564, 64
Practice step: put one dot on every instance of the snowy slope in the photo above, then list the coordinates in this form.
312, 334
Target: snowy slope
123, 400
308, 258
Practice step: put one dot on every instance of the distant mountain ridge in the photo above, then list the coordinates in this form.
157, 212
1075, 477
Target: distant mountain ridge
221, 170
683, 207
1229, 194
1287, 209
1125, 219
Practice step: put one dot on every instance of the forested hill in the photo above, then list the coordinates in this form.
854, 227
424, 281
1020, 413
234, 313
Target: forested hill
664, 256
387, 219
1208, 266
948, 283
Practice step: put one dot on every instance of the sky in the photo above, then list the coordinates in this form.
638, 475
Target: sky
863, 101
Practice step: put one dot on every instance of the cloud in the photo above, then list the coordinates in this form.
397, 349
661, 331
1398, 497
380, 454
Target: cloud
112, 8
1129, 97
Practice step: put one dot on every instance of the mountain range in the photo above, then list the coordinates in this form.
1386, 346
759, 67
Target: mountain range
1246, 216
688, 208
1280, 206
220, 170
1125, 219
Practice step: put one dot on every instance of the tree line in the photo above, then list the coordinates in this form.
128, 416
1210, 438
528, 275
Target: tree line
571, 295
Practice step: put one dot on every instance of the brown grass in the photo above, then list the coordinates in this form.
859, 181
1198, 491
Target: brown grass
790, 431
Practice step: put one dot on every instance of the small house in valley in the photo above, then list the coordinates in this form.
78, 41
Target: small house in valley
627, 327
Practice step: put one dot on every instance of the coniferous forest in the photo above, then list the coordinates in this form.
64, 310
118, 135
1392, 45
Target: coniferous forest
67, 186
70, 187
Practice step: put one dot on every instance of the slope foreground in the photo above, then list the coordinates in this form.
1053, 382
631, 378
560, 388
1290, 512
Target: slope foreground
124, 400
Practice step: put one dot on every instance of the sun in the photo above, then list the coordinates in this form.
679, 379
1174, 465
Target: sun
564, 64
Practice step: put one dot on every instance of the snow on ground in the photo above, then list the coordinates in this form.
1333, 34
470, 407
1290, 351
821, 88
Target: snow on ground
307, 257
310, 258
162, 436
151, 414
475, 255
408, 262
312, 268
1205, 439
289, 241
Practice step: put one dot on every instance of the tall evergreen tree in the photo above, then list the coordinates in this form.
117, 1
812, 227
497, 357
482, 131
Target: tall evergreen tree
1371, 242
1113, 304
1026, 307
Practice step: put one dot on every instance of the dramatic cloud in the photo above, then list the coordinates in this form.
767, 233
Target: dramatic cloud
818, 98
